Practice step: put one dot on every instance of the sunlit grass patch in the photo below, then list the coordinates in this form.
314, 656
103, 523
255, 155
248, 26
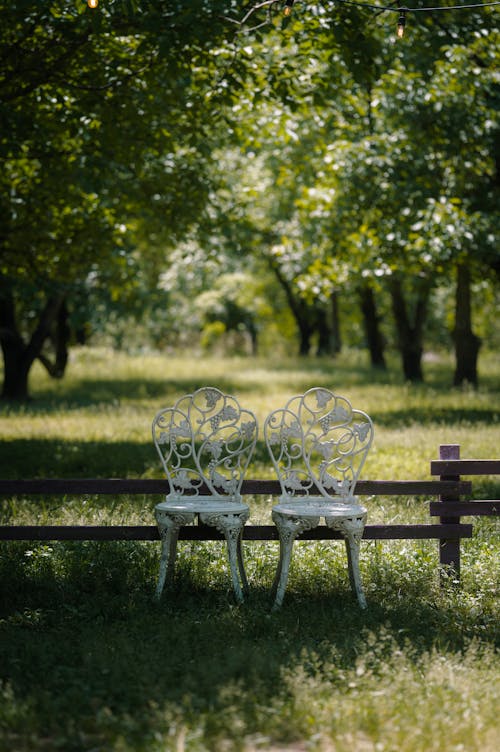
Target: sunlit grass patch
378, 703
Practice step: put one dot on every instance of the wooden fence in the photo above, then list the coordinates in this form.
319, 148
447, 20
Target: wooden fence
447, 491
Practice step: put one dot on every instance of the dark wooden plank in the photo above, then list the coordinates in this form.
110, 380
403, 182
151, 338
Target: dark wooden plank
396, 532
116, 486
202, 532
449, 548
371, 532
79, 532
375, 487
412, 487
473, 507
465, 467
81, 486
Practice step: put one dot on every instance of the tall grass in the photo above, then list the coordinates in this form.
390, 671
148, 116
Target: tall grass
88, 660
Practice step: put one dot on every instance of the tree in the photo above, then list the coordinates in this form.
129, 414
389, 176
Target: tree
104, 120
296, 113
401, 164
451, 119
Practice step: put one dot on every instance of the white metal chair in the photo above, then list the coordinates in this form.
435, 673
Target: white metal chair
205, 442
318, 444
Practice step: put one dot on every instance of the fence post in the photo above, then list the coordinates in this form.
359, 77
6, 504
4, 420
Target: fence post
449, 548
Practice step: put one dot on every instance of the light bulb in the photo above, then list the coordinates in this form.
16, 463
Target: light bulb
287, 11
92, 3
401, 24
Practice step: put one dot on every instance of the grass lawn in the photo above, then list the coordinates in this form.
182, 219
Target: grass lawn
90, 662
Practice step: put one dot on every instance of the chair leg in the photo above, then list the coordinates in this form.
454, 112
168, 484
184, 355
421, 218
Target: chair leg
168, 527
277, 576
352, 530
352, 547
279, 585
169, 536
288, 529
231, 525
241, 565
232, 550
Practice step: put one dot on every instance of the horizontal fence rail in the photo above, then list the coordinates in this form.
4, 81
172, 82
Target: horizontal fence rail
116, 486
464, 508
453, 468
205, 533
465, 467
444, 494
138, 486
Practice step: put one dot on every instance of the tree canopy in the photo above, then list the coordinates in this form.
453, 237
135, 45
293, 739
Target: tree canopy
316, 149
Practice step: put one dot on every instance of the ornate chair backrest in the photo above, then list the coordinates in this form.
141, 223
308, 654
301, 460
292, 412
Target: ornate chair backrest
205, 442
318, 444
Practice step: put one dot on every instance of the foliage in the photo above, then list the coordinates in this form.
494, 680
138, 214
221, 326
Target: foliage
372, 178
78, 193
316, 153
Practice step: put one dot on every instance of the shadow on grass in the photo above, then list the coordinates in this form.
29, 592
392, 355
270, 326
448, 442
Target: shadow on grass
96, 392
104, 393
301, 374
435, 415
84, 643
38, 458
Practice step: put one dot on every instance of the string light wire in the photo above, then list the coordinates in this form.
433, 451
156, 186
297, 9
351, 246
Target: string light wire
409, 9
269, 5
403, 10
396, 7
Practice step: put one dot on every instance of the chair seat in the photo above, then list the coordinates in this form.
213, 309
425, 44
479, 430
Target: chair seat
318, 506
201, 504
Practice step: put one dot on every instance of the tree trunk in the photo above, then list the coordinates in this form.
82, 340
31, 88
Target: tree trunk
62, 336
327, 327
254, 338
300, 310
305, 334
18, 356
371, 323
467, 344
16, 368
336, 336
60, 339
324, 331
410, 329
